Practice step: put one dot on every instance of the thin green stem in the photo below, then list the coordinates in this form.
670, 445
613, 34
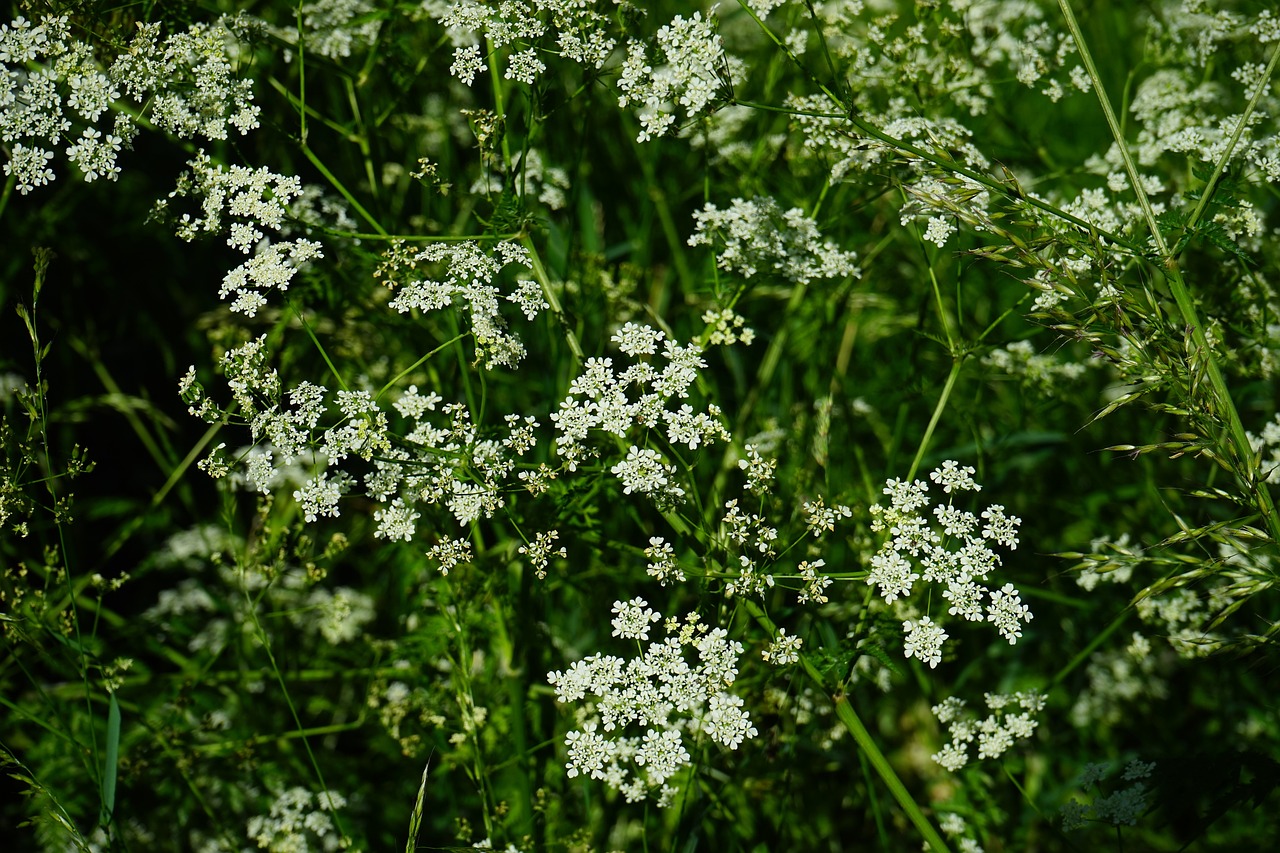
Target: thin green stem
288, 700
1221, 165
1245, 468
7, 192
341, 188
847, 112
302, 79
549, 293
851, 721
499, 107
402, 374
320, 347
846, 714
956, 366
43, 258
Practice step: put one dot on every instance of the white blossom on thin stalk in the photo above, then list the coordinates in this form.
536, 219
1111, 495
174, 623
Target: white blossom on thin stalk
1012, 719
688, 69
298, 820
634, 713
616, 400
756, 237
540, 551
944, 545
59, 88
662, 561
633, 619
924, 640
784, 650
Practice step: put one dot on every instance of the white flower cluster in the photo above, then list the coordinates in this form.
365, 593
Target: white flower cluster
50, 82
826, 137
540, 551
942, 203
1043, 373
820, 518
727, 328
753, 538
449, 553
760, 470
995, 734
1266, 448
247, 203
615, 402
241, 200
299, 820
645, 472
194, 91
580, 32
689, 68
955, 826
784, 650
749, 539
331, 28
282, 425
339, 616
450, 465
334, 616
756, 237
468, 280
658, 697
952, 548
662, 561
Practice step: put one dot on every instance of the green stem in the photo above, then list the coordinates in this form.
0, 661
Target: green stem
862, 737
7, 192
1245, 468
549, 293
402, 374
1221, 165
338, 185
499, 108
867, 129
846, 715
320, 347
1088, 650
956, 365
43, 258
302, 80
301, 730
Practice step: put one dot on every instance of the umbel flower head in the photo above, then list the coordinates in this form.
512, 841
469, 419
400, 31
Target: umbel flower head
636, 713
945, 545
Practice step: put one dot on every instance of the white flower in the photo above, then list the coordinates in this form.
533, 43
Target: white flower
892, 573
756, 237
663, 693
524, 66
784, 650
643, 471
1000, 528
1008, 613
924, 641
939, 230
633, 619
951, 757
952, 477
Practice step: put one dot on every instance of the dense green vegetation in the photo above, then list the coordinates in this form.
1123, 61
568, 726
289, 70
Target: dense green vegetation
579, 425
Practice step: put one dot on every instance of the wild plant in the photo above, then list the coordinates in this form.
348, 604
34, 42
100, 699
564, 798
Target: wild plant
578, 425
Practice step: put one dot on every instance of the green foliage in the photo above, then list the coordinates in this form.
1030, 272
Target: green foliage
579, 412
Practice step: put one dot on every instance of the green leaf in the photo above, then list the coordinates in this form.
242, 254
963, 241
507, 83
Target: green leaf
113, 762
